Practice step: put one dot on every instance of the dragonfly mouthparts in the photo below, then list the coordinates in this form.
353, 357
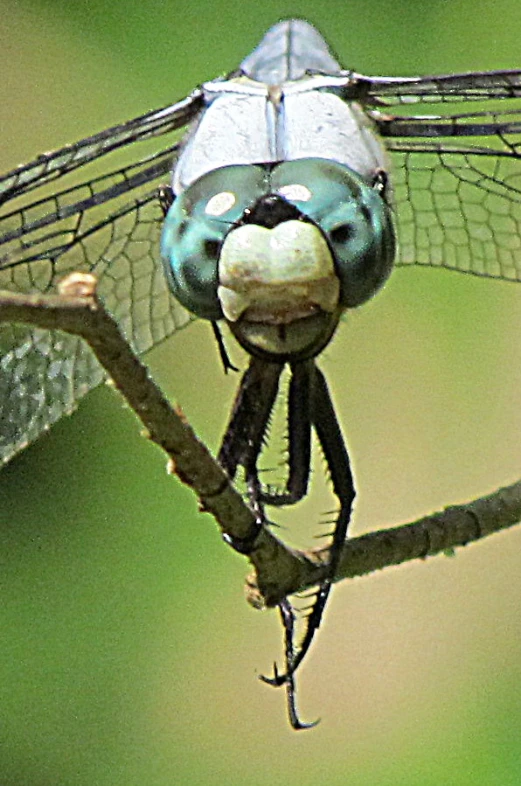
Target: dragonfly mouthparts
276, 275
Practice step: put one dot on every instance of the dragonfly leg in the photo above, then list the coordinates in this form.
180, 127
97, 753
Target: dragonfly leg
330, 436
299, 438
288, 621
244, 437
223, 354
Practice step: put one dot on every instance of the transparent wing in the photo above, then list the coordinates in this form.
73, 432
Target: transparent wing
456, 176
459, 208
107, 223
474, 86
50, 166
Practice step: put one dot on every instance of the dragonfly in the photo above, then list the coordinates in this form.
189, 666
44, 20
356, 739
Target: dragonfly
270, 201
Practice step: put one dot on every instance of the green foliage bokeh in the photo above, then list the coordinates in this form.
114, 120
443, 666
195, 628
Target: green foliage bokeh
127, 653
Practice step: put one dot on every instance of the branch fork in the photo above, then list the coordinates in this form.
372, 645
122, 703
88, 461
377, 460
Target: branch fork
279, 571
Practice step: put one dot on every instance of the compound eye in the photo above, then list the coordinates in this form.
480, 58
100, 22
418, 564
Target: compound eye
194, 231
361, 235
353, 215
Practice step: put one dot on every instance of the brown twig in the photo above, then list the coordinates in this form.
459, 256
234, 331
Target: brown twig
279, 570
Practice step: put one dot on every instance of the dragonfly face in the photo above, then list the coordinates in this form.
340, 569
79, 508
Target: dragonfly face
284, 211
279, 250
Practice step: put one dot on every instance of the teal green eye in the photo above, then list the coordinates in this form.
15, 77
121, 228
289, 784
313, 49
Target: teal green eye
353, 216
190, 250
195, 228
362, 238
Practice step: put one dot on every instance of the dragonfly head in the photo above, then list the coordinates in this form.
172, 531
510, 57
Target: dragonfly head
279, 251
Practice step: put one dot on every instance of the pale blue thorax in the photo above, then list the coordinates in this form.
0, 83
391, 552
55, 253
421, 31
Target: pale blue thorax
277, 111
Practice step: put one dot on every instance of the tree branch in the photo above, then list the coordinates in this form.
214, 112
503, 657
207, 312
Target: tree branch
279, 570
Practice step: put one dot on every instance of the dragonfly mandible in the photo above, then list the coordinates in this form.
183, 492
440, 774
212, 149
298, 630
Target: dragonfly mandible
296, 189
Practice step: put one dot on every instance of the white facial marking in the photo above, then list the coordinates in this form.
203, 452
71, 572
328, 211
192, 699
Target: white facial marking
295, 192
220, 203
276, 275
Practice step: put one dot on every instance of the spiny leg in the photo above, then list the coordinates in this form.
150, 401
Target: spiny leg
246, 433
243, 440
299, 458
242, 445
330, 436
288, 621
299, 438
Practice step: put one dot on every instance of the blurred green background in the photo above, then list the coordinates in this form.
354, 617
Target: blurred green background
128, 655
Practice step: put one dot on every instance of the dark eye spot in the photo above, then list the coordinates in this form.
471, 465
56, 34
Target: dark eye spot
212, 249
366, 213
183, 226
342, 233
